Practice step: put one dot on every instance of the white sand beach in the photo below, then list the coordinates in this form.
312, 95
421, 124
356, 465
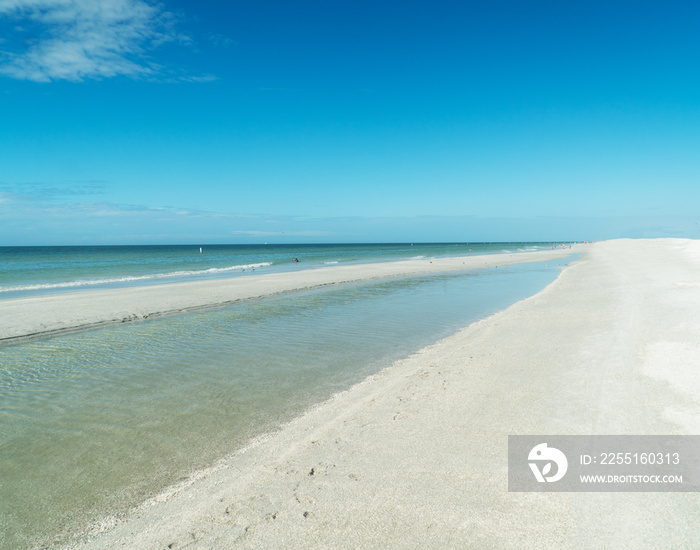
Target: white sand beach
56, 314
416, 456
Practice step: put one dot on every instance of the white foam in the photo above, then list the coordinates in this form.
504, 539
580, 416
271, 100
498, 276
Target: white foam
130, 278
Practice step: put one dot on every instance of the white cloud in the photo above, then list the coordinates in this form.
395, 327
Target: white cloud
81, 39
198, 79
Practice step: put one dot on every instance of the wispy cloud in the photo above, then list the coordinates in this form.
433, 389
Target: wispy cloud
205, 78
42, 191
220, 41
254, 233
82, 39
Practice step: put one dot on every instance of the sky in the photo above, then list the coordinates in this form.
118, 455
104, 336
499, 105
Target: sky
181, 121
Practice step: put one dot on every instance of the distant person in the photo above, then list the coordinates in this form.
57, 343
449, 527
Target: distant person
295, 260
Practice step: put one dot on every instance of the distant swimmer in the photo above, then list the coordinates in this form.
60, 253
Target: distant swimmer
295, 260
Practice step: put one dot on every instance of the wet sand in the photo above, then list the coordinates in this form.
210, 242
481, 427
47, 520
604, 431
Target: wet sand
416, 456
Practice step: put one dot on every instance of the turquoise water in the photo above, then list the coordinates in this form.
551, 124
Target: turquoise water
95, 422
36, 270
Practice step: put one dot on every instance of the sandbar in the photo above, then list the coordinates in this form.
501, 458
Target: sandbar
56, 314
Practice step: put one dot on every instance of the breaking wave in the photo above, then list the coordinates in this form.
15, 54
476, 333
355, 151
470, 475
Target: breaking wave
130, 278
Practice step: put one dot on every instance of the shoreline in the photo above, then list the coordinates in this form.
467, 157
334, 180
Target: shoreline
416, 456
46, 316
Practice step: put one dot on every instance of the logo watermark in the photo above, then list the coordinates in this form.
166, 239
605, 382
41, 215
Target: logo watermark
610, 463
548, 456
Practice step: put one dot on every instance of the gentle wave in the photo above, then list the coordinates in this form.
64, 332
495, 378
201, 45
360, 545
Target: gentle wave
130, 278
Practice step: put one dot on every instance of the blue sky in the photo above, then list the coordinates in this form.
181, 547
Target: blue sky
134, 121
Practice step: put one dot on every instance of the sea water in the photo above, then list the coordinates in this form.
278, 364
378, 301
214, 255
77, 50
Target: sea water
49, 269
95, 422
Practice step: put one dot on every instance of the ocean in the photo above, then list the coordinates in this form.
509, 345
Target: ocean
39, 270
96, 422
